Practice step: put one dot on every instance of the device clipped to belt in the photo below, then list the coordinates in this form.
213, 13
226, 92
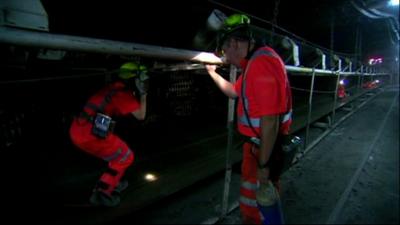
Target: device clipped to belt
102, 125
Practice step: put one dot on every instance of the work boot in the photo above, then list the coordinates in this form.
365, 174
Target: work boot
99, 198
123, 184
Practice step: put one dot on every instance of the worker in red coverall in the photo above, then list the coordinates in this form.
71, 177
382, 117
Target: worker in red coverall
371, 84
341, 91
92, 132
263, 112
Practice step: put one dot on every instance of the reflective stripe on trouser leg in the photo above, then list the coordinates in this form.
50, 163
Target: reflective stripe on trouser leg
118, 164
251, 211
248, 204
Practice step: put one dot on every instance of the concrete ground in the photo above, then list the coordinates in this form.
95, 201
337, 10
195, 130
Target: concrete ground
351, 176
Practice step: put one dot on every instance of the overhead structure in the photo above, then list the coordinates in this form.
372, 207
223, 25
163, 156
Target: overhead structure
27, 14
371, 12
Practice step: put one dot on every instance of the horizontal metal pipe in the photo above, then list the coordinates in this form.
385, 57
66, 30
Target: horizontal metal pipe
85, 44
320, 71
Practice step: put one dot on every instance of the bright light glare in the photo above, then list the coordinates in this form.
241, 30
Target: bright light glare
206, 57
370, 61
341, 82
393, 2
376, 81
374, 61
150, 177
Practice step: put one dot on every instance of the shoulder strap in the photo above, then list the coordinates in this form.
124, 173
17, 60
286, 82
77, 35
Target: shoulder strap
246, 113
106, 100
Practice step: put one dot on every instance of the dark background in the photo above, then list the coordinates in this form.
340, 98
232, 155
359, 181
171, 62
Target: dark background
174, 23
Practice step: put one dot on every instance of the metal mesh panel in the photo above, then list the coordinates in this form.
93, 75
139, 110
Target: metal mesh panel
181, 94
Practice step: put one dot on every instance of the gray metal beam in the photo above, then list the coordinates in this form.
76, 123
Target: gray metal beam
85, 44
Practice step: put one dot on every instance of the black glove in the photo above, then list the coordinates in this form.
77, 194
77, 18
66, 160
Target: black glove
142, 83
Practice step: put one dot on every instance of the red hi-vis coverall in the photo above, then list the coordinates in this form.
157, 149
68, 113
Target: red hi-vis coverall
112, 148
341, 91
266, 92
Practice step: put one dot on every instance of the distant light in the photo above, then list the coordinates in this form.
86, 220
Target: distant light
374, 61
393, 2
150, 177
377, 81
344, 82
396, 59
370, 61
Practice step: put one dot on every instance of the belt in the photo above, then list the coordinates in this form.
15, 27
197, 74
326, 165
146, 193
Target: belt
252, 140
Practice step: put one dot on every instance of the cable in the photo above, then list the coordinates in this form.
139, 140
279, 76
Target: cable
318, 91
275, 18
314, 91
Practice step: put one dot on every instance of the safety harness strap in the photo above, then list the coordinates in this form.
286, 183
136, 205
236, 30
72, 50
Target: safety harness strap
98, 108
86, 116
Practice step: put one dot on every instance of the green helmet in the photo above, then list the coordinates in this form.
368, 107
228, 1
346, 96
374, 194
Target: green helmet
236, 25
236, 20
131, 69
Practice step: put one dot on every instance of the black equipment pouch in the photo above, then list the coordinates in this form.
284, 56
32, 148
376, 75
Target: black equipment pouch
290, 143
102, 125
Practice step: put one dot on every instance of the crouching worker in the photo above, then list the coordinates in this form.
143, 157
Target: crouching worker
92, 131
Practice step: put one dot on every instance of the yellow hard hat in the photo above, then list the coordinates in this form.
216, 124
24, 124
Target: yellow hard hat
131, 69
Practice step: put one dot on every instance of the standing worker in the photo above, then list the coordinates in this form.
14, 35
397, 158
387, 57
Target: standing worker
92, 130
341, 91
263, 114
